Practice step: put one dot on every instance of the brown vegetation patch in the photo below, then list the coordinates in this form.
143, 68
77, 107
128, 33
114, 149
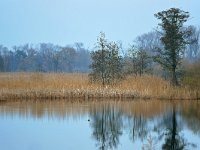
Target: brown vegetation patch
63, 86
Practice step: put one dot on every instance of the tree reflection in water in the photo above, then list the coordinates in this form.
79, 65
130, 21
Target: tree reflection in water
108, 122
170, 128
173, 139
165, 121
137, 126
107, 126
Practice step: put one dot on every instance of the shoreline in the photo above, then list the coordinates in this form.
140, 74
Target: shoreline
84, 96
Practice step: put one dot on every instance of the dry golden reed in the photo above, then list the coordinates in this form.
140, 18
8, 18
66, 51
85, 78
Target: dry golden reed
74, 85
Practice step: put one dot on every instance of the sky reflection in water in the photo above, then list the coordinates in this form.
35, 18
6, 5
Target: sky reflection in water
41, 125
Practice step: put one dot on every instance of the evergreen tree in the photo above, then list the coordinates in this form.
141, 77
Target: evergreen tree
173, 39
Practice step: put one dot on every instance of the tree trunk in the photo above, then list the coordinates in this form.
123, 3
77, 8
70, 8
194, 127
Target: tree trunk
174, 80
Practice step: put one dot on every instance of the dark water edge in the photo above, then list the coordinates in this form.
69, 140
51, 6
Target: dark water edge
105, 124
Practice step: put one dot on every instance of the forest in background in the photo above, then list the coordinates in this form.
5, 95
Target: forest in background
44, 57
47, 57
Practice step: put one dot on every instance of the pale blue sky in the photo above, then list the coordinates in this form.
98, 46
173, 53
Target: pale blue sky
67, 21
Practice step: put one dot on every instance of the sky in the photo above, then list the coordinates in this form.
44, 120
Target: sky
65, 22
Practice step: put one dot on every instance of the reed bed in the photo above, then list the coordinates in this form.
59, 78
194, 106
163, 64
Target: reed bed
74, 85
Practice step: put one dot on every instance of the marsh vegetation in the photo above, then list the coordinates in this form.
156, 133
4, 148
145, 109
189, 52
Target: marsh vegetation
69, 86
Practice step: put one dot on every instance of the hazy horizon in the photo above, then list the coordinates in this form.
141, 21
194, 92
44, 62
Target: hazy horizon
65, 22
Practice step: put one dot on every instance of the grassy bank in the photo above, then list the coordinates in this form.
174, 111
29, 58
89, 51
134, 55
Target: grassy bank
63, 86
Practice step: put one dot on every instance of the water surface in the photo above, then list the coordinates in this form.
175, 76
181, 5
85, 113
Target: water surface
99, 125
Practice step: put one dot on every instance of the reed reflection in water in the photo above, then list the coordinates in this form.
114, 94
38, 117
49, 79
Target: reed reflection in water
111, 124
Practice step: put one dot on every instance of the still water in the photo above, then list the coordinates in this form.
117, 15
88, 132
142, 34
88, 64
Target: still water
99, 125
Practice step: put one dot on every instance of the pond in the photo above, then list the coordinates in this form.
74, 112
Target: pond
99, 125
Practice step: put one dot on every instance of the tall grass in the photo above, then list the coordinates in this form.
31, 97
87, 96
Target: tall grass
192, 76
63, 85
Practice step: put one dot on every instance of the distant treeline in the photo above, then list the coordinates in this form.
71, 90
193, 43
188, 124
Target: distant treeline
44, 57
47, 57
